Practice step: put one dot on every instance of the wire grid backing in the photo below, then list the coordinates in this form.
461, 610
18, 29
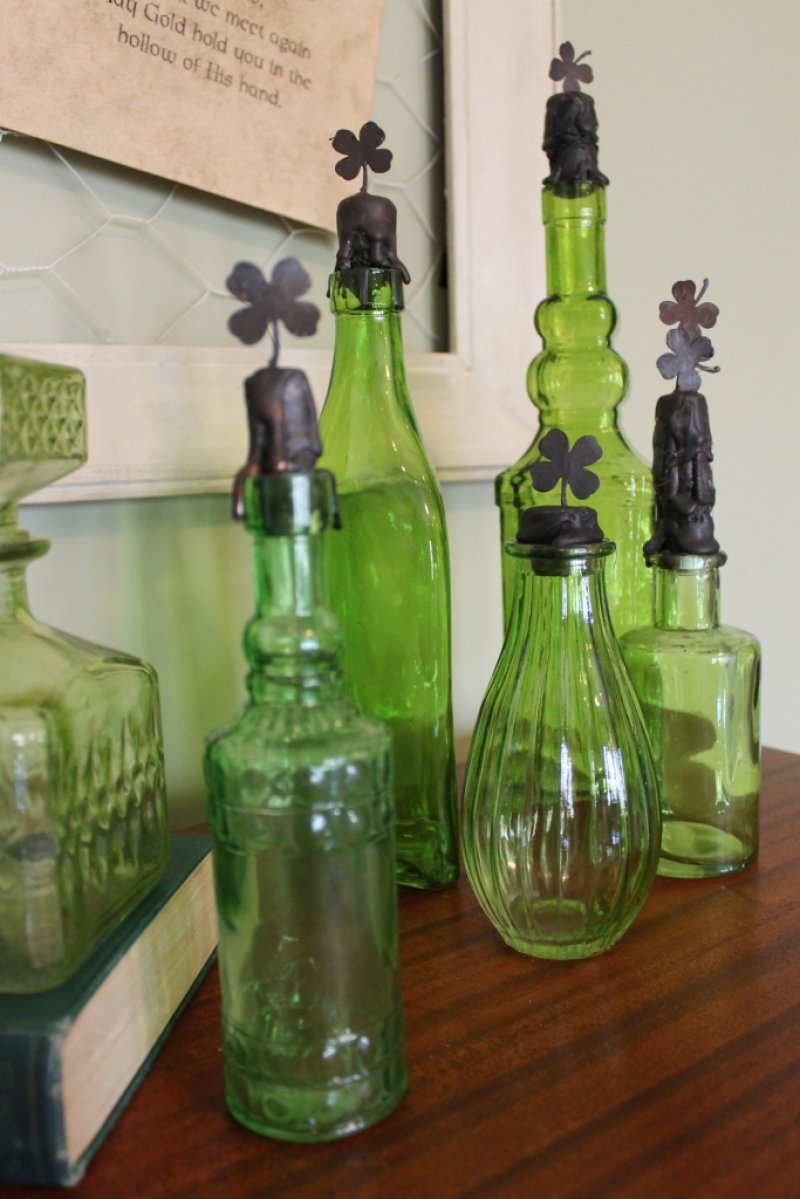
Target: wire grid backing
94, 252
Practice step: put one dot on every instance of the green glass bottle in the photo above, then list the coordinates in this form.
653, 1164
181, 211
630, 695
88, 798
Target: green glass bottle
578, 381
697, 680
560, 810
388, 570
301, 814
83, 821
698, 684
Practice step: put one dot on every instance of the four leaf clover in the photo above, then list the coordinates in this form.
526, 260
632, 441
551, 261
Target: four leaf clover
571, 69
686, 358
687, 311
271, 302
361, 152
567, 465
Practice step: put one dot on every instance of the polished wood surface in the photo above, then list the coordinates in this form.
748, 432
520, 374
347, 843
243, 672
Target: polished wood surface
667, 1067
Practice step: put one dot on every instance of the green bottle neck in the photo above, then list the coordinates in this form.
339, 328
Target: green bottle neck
560, 592
16, 551
686, 593
574, 219
577, 379
293, 643
368, 360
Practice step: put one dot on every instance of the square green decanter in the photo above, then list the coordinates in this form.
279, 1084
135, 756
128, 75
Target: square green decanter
83, 830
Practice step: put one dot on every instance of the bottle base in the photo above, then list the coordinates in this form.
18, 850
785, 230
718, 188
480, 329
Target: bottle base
560, 932
426, 859
691, 849
313, 1114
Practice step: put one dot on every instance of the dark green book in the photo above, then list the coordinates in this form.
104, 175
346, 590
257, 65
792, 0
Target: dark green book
71, 1058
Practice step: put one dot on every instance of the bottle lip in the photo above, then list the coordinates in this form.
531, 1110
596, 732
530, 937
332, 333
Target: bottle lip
685, 564
562, 560
366, 289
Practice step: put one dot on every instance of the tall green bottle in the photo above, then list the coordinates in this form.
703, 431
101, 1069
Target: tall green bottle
578, 381
300, 807
388, 569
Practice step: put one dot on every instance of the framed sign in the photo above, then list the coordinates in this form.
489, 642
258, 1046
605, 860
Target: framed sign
230, 96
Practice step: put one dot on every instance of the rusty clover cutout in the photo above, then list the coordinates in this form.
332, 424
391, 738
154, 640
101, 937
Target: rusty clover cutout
361, 152
685, 359
567, 465
687, 311
271, 302
571, 69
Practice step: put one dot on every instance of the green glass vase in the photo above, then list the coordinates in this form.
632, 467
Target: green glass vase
577, 383
388, 569
698, 684
83, 829
560, 812
300, 807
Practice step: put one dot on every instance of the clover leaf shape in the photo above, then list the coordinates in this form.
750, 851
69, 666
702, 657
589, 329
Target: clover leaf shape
687, 311
571, 69
686, 359
271, 302
361, 152
567, 465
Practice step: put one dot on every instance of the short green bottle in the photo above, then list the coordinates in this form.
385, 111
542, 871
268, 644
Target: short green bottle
578, 380
560, 810
698, 681
302, 824
388, 570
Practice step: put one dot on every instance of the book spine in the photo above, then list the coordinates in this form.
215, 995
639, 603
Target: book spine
32, 1141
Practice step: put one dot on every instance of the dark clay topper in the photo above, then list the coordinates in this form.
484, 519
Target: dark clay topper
570, 123
366, 224
682, 447
562, 525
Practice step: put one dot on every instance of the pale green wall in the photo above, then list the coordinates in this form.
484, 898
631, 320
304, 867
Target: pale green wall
698, 102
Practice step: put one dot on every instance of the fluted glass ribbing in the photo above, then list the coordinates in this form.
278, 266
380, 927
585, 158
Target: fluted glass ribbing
560, 814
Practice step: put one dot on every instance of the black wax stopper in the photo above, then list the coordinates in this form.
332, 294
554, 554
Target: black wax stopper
682, 443
570, 124
552, 524
366, 224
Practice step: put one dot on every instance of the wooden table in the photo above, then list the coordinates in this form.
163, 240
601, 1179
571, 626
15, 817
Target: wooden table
667, 1067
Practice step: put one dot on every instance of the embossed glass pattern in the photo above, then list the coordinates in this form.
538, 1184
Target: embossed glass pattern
578, 382
83, 832
698, 684
300, 805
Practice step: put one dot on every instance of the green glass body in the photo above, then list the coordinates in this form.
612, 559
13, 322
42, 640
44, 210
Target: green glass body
560, 812
388, 568
577, 383
300, 807
698, 684
83, 829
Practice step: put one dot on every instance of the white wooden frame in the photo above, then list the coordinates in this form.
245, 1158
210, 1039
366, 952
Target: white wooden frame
160, 417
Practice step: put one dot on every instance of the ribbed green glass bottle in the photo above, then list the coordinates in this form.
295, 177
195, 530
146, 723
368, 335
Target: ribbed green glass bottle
560, 810
388, 568
300, 806
577, 382
698, 684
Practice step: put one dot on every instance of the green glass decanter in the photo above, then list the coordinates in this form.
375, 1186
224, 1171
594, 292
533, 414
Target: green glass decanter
697, 680
560, 811
388, 570
578, 381
83, 830
301, 814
